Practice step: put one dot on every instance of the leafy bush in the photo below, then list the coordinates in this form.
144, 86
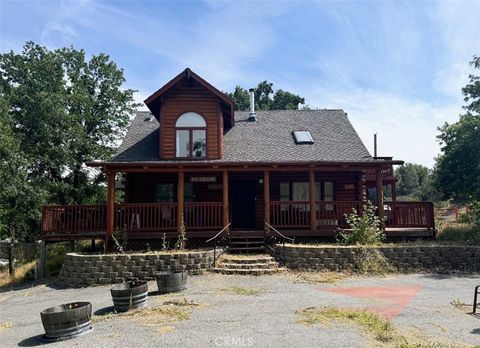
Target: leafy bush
365, 228
474, 212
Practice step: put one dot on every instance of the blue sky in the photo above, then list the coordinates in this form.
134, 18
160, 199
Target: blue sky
396, 67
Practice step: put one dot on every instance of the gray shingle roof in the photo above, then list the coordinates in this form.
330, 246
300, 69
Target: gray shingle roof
267, 140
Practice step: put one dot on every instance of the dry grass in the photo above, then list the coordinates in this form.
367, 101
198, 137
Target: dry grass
459, 304
312, 277
5, 326
383, 332
23, 274
161, 318
372, 262
237, 290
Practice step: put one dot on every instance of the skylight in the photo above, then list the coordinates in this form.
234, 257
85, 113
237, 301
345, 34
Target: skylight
302, 137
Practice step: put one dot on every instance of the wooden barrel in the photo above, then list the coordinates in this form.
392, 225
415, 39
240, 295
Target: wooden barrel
67, 320
129, 295
171, 281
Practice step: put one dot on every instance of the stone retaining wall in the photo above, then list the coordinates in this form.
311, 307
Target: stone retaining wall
85, 270
438, 259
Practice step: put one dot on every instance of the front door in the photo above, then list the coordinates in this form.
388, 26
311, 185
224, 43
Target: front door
243, 204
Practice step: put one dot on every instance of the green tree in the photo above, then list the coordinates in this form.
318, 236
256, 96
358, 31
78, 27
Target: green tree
415, 181
17, 195
266, 98
457, 168
64, 110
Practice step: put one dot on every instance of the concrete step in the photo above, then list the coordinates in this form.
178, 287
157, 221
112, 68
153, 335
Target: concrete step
246, 248
270, 265
250, 271
247, 259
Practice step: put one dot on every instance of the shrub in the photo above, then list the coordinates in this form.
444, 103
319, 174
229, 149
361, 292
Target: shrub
474, 212
182, 235
468, 233
365, 228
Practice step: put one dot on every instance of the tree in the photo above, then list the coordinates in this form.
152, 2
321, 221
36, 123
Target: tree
266, 98
64, 110
457, 168
415, 181
17, 195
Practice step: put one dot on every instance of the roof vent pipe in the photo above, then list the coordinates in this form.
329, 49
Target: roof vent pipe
253, 116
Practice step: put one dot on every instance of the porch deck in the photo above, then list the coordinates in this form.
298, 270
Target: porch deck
204, 219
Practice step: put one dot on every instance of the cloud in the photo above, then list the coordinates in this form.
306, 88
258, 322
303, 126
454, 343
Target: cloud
406, 127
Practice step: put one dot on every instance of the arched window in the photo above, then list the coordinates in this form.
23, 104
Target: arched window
191, 136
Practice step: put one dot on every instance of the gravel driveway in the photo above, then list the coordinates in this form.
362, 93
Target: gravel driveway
216, 312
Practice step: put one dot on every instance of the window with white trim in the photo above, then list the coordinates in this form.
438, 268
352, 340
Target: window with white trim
191, 136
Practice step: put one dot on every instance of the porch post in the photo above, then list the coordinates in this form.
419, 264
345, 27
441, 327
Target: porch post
110, 208
266, 196
225, 198
313, 205
180, 198
381, 213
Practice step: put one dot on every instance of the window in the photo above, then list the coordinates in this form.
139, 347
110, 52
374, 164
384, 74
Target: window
284, 195
191, 136
328, 194
301, 193
328, 190
302, 137
164, 193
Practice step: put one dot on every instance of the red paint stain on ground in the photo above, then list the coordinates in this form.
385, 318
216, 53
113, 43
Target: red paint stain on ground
387, 301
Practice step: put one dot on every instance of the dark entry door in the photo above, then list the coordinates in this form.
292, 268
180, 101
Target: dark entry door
243, 204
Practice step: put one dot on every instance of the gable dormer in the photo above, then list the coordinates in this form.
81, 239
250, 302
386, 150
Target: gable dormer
193, 117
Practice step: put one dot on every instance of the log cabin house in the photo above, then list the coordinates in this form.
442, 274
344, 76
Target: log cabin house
193, 158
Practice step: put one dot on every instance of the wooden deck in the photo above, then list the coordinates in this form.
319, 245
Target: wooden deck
204, 219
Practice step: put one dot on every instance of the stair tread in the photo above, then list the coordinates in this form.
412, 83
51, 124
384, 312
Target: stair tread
251, 271
247, 242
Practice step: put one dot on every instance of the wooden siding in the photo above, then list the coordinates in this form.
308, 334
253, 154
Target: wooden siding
189, 98
140, 188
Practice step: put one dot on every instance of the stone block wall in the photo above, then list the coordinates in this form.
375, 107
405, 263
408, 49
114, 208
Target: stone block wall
434, 258
81, 270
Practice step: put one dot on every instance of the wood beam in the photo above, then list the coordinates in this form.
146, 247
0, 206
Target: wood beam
313, 205
180, 198
110, 208
381, 213
266, 196
225, 199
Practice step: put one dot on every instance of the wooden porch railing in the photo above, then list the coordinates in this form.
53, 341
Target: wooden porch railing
146, 217
332, 214
290, 214
73, 219
203, 215
90, 220
410, 214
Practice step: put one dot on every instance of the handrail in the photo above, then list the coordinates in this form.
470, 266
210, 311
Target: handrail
219, 233
215, 244
280, 234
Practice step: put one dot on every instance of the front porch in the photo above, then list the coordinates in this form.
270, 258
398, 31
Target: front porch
301, 203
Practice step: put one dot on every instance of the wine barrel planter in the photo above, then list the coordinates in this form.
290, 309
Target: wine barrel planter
171, 281
66, 321
129, 295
